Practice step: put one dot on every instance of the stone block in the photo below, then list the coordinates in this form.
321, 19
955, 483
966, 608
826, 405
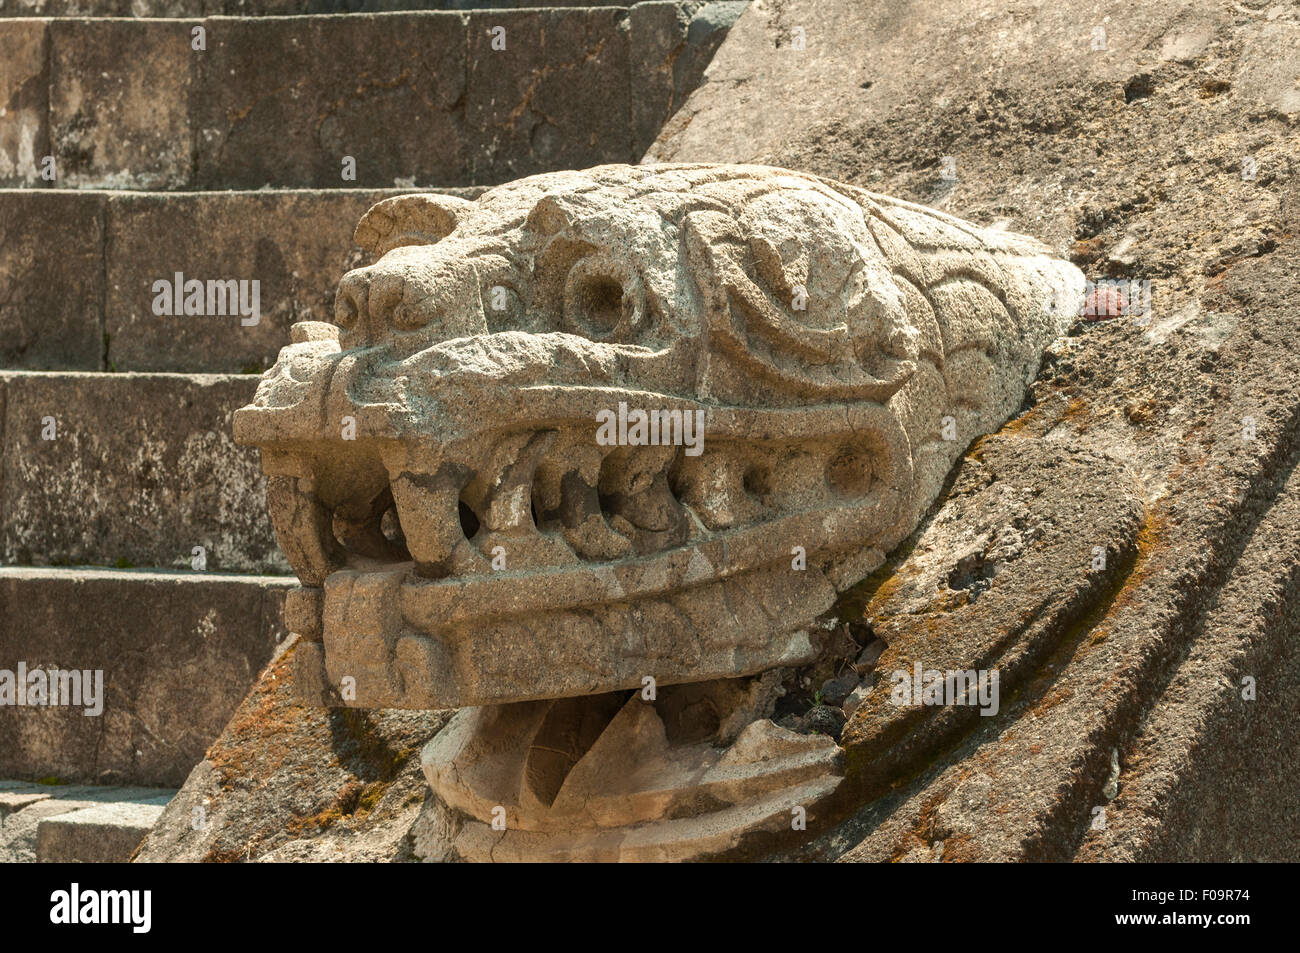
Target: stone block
418, 99
50, 305
295, 243
141, 469
84, 8
24, 96
120, 104
283, 101
669, 46
258, 8
11, 802
25, 805
102, 834
556, 97
177, 651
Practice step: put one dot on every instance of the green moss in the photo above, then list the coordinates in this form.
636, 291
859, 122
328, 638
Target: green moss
371, 795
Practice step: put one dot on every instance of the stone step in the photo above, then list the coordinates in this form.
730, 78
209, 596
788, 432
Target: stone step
102, 834
77, 269
125, 470
435, 98
164, 660
194, 9
49, 823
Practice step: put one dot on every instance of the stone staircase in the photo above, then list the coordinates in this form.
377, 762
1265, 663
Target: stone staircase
141, 139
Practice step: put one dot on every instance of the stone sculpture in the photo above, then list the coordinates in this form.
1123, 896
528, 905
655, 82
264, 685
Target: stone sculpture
602, 437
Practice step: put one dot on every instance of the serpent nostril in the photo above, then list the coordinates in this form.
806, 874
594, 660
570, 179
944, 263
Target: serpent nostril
350, 301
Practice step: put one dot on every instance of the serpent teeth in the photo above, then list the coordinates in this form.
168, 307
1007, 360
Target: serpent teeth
567, 500
636, 495
510, 535
429, 508
302, 524
714, 487
502, 496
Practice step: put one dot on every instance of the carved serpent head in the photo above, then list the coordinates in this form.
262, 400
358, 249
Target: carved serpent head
596, 426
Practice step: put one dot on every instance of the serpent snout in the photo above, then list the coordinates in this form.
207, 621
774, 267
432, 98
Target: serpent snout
408, 304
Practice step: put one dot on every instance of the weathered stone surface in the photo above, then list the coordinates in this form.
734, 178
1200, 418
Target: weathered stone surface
967, 594
1143, 666
177, 652
102, 834
282, 102
295, 242
1152, 672
288, 783
560, 86
12, 801
466, 535
67, 8
698, 773
141, 469
24, 97
826, 339
119, 103
40, 329
25, 808
1182, 790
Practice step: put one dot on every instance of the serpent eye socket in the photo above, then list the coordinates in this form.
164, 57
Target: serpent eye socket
499, 283
604, 299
